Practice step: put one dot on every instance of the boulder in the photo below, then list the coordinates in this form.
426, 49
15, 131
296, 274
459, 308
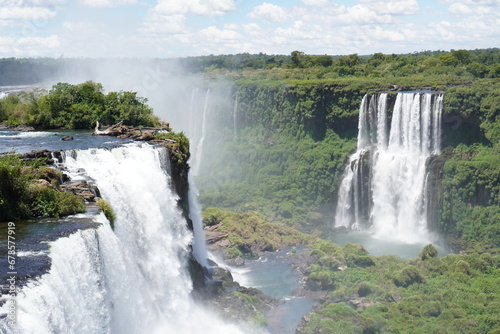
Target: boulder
82, 189
362, 303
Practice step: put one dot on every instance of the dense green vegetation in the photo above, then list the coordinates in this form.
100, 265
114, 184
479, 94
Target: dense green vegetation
470, 187
452, 294
250, 234
31, 189
75, 107
361, 293
459, 63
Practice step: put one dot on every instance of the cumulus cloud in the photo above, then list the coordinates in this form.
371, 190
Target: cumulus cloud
394, 7
26, 13
252, 29
319, 3
268, 12
198, 7
107, 3
29, 46
31, 3
459, 9
215, 34
165, 24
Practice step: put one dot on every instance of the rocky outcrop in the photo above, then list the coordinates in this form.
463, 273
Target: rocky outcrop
235, 303
82, 189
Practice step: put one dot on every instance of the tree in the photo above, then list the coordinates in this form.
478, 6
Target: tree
297, 58
462, 56
324, 61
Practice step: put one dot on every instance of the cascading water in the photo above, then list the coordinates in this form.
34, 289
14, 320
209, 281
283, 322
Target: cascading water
235, 115
130, 279
383, 189
199, 147
199, 247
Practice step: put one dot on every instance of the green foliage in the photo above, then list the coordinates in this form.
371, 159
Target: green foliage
457, 293
179, 141
428, 252
30, 189
108, 210
13, 189
285, 162
407, 276
250, 234
76, 107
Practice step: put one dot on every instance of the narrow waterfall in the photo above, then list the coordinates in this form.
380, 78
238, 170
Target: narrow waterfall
199, 247
192, 117
199, 147
235, 114
383, 188
127, 280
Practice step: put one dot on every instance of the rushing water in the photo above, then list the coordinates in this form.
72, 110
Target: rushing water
23, 142
383, 189
130, 279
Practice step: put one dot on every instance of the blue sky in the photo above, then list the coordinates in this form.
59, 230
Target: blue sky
176, 28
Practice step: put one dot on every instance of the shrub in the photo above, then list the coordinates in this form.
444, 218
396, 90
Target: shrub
408, 276
428, 252
108, 210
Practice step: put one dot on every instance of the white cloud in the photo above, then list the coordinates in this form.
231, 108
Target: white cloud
26, 13
198, 7
29, 46
337, 15
394, 7
165, 24
459, 9
231, 26
214, 34
319, 3
26, 17
31, 3
252, 29
107, 3
268, 12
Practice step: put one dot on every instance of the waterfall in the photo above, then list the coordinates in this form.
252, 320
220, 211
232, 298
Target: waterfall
235, 115
127, 280
383, 188
199, 247
192, 125
199, 147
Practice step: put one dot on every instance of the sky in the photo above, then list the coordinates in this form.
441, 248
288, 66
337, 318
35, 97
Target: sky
180, 28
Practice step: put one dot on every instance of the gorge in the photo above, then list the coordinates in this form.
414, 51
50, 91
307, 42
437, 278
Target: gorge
272, 150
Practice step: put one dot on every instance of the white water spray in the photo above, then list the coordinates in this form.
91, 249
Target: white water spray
129, 280
383, 188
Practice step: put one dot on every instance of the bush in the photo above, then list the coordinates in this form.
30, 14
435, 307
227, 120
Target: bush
108, 210
428, 252
408, 276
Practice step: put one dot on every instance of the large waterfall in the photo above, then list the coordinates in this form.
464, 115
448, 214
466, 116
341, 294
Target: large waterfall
129, 279
383, 189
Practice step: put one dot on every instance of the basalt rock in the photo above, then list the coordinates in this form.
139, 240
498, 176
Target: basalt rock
82, 189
